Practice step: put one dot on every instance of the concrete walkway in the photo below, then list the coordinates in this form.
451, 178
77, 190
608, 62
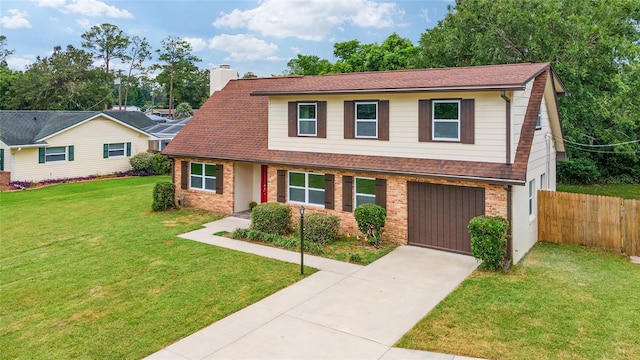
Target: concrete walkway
344, 311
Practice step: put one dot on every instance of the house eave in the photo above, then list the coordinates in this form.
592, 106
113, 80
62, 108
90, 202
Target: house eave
483, 88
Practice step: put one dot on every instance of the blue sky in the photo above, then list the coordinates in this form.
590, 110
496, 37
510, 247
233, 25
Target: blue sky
257, 36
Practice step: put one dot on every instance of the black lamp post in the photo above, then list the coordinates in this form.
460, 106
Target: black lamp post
301, 240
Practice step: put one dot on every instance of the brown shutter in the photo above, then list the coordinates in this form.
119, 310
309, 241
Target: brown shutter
322, 119
383, 120
349, 119
293, 119
219, 178
282, 186
467, 121
184, 174
381, 192
424, 120
347, 193
329, 191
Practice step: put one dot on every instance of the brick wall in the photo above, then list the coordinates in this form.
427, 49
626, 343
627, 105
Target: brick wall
207, 200
5, 179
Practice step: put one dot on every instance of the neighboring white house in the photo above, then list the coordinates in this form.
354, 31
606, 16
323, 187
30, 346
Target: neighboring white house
41, 145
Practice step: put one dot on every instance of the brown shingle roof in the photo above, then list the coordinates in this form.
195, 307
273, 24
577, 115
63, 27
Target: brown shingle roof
232, 125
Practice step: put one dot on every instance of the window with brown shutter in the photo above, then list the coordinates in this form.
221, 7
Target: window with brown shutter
446, 120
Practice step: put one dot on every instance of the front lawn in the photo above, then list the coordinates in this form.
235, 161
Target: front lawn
88, 271
560, 302
627, 191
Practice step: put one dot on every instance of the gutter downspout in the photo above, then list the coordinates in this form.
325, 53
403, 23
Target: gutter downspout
507, 264
508, 124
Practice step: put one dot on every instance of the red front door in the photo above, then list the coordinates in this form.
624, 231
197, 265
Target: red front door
263, 183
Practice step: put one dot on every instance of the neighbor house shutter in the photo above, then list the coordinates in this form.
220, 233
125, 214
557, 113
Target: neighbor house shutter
1, 159
70, 153
349, 119
322, 119
219, 178
293, 119
329, 191
424, 120
128, 149
41, 155
347, 193
184, 174
282, 186
383, 120
381, 192
467, 121
105, 151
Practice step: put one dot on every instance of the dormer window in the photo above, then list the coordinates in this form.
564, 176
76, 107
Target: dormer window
307, 119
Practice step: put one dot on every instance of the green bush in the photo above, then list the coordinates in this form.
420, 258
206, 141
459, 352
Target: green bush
321, 228
141, 161
160, 164
273, 218
163, 196
578, 172
371, 219
489, 240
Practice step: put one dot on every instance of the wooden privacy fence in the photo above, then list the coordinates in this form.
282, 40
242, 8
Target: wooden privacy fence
603, 222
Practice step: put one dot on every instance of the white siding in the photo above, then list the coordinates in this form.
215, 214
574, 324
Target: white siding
88, 140
519, 104
490, 132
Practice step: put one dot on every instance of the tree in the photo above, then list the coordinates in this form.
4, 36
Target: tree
66, 80
4, 52
308, 65
179, 62
183, 110
249, 75
139, 52
593, 48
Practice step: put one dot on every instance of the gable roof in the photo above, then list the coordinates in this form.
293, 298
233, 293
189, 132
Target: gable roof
232, 125
32, 127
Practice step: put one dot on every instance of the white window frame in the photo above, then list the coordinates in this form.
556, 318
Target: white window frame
64, 152
375, 121
356, 193
124, 150
543, 181
203, 177
434, 120
532, 198
306, 188
315, 119
539, 122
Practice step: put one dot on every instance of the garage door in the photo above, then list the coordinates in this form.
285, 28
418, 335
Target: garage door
439, 215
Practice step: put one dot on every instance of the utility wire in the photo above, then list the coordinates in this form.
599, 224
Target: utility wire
605, 145
603, 151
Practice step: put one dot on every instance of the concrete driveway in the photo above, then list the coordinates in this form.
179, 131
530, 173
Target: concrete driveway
344, 311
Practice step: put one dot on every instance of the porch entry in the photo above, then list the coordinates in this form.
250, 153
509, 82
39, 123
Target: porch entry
249, 184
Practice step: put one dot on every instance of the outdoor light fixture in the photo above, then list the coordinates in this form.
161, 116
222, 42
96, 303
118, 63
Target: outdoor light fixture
301, 240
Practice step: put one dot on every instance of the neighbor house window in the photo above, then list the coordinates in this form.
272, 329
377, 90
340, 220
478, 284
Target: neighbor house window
58, 153
307, 188
532, 192
116, 150
366, 120
446, 120
307, 119
203, 176
365, 191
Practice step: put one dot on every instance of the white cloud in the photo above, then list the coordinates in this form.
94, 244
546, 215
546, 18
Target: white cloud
84, 23
16, 20
425, 15
19, 63
243, 47
87, 7
197, 44
310, 20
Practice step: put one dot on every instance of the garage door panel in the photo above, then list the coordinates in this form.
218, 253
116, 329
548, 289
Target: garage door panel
439, 214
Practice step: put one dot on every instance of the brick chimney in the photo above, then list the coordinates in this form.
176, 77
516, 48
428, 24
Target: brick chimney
220, 77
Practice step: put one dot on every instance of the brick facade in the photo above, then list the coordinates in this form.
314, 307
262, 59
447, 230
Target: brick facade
5, 179
201, 199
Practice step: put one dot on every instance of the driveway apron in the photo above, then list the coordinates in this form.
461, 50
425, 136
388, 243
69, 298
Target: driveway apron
344, 311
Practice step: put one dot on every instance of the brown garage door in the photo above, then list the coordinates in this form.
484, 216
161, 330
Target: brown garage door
439, 215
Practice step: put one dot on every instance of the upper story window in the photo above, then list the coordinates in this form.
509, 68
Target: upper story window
55, 154
307, 119
366, 120
202, 176
365, 191
539, 122
446, 120
307, 188
116, 150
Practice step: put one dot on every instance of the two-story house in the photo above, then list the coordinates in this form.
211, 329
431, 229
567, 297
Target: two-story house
435, 147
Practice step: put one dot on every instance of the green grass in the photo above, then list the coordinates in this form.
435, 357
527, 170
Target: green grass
88, 271
627, 191
561, 302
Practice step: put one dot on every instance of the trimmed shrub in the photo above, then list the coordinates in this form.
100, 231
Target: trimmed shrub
163, 196
321, 228
371, 219
273, 218
160, 164
141, 161
489, 240
578, 171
